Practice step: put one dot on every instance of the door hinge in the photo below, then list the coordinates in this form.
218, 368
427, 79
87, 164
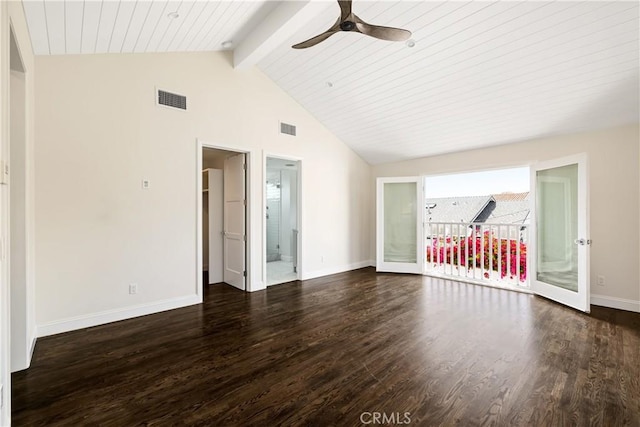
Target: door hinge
244, 237
244, 166
244, 273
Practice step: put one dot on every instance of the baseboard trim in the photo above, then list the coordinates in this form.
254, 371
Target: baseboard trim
34, 338
335, 270
108, 316
613, 302
257, 286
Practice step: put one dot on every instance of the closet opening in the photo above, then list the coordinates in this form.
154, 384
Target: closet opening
224, 217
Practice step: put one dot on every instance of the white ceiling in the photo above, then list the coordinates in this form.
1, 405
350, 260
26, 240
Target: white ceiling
480, 74
112, 26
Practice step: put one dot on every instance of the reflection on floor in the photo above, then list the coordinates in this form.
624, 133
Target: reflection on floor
280, 272
564, 279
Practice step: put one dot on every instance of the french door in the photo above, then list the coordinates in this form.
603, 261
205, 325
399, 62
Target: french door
560, 231
399, 218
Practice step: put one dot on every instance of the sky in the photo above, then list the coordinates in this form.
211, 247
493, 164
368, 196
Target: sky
515, 180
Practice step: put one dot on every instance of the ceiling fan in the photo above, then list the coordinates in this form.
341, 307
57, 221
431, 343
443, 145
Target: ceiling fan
348, 21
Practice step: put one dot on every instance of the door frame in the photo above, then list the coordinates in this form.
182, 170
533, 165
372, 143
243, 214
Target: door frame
300, 210
249, 209
577, 300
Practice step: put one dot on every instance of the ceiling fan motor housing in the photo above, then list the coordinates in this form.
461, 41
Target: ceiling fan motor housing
347, 26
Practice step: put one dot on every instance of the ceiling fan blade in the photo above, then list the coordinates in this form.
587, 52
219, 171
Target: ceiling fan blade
383, 33
315, 40
345, 9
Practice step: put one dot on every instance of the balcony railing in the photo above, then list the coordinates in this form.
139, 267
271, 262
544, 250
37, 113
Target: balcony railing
495, 254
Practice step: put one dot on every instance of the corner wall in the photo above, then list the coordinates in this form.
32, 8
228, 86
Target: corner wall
100, 133
614, 197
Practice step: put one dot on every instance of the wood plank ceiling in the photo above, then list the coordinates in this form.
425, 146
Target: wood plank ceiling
480, 73
111, 26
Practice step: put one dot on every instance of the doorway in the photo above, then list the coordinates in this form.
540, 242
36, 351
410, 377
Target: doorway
282, 220
411, 238
477, 226
224, 214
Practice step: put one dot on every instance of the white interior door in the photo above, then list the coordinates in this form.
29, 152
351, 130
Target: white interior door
234, 221
216, 209
560, 237
399, 222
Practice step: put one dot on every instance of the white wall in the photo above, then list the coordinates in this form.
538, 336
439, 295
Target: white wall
613, 197
11, 14
100, 133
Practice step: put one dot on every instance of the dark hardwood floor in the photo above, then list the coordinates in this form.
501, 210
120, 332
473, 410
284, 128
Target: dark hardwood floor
325, 351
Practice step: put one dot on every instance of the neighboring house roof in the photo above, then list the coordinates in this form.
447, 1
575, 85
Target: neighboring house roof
511, 197
505, 208
457, 209
511, 208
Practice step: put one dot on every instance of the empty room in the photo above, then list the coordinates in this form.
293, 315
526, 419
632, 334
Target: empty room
319, 212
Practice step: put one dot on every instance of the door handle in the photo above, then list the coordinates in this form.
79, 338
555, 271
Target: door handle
582, 242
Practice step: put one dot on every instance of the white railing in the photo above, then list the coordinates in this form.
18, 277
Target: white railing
489, 253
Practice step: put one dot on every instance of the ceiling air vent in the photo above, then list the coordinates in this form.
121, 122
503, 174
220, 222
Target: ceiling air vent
287, 129
172, 100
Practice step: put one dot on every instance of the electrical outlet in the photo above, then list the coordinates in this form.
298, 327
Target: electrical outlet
146, 184
601, 281
133, 288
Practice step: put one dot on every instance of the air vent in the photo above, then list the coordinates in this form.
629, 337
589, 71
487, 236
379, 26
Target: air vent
287, 129
172, 100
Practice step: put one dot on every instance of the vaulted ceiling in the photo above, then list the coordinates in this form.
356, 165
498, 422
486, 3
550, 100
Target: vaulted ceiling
478, 74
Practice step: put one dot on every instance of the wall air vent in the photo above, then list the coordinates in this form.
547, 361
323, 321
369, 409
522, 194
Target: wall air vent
172, 100
287, 129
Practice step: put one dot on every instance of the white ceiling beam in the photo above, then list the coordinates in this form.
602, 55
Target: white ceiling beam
284, 21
